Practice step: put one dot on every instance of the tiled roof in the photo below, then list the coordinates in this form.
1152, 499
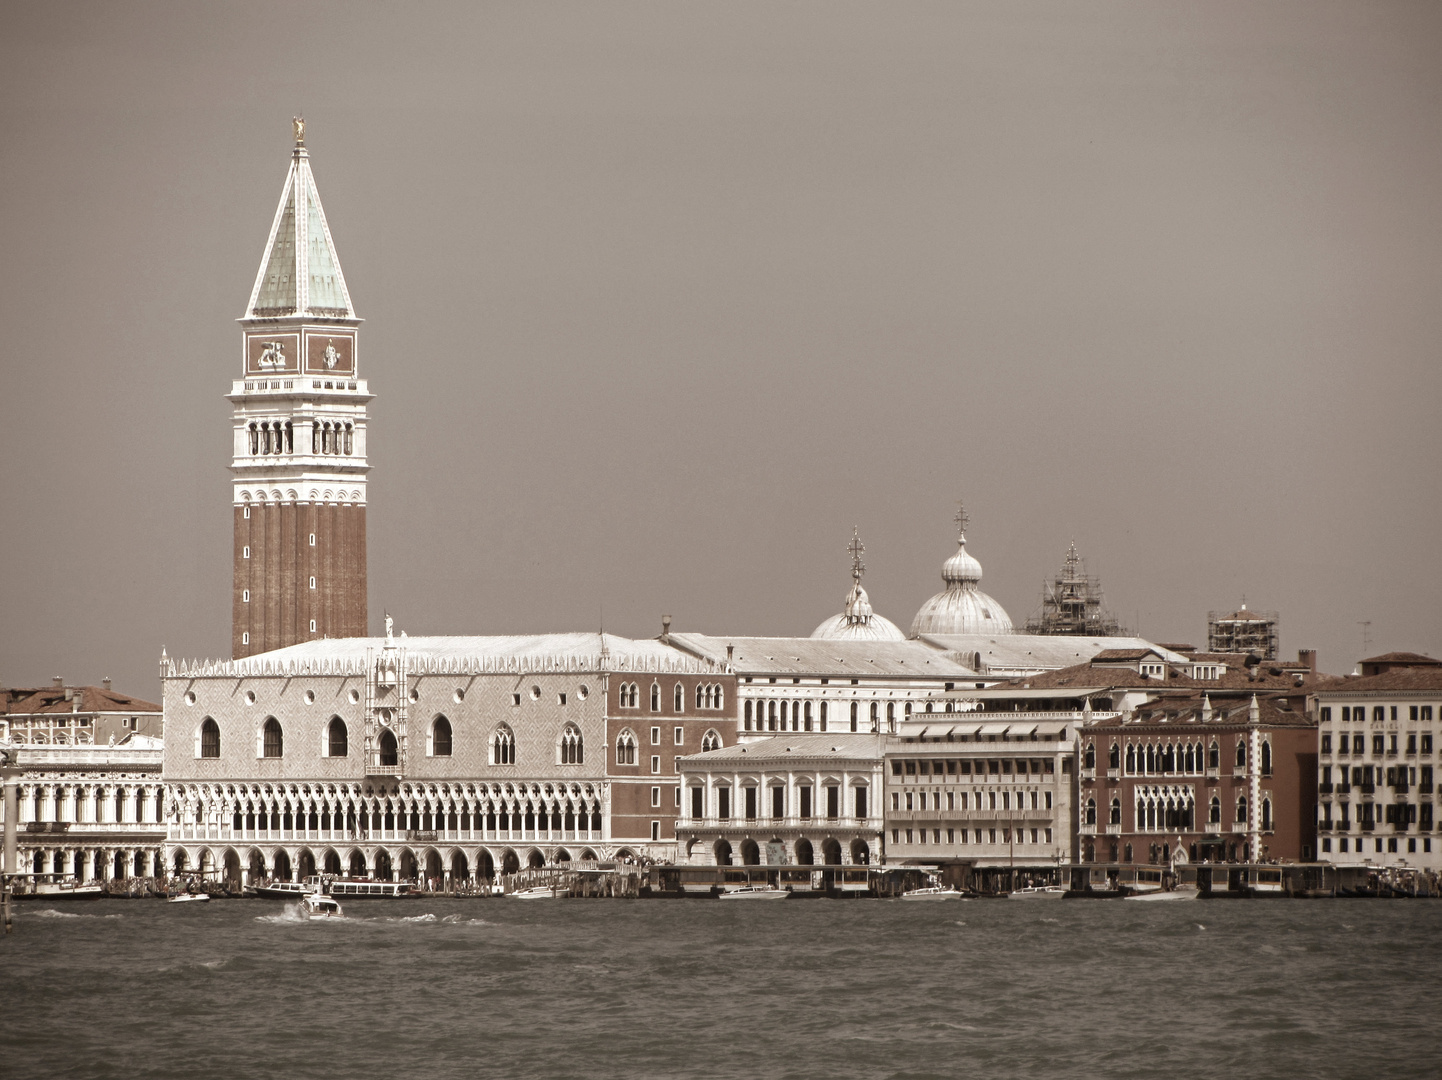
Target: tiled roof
1088, 676
1113, 655
1403, 679
1404, 658
1035, 651
21, 701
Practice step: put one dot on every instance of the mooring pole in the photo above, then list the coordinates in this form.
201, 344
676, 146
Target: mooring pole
11, 776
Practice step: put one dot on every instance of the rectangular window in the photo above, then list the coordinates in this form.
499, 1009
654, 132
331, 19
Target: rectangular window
678, 737
655, 763
723, 803
678, 798
247, 513
805, 792
1048, 836
908, 801
833, 802
655, 830
991, 836
1426, 742
312, 626
312, 539
655, 796
561, 698
1326, 742
895, 833
951, 800
312, 582
1326, 714
245, 596
245, 638
750, 804
860, 802
245, 552
698, 802
655, 736
515, 699
778, 802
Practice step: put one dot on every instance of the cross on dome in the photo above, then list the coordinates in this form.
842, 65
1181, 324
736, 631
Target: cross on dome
855, 548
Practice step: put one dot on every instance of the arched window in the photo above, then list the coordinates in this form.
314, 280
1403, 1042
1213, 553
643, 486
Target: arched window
1114, 757
710, 741
572, 748
626, 748
272, 740
680, 698
1131, 760
254, 440
1091, 812
1242, 810
503, 746
716, 698
1089, 757
390, 750
1241, 755
806, 722
655, 697
1116, 813
209, 738
771, 716
441, 737
703, 697
337, 744
1214, 756
748, 716
854, 708
1214, 813
630, 695
1266, 758
1266, 815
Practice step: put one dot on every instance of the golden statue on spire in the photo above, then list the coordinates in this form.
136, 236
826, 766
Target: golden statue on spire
298, 123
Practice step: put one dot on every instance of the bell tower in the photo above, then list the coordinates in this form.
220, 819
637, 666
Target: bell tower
299, 468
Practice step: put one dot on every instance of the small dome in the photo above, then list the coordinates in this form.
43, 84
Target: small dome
858, 622
961, 607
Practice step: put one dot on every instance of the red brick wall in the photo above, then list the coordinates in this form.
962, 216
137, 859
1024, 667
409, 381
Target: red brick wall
281, 564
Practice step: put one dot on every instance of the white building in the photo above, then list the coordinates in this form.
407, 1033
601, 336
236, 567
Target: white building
1378, 735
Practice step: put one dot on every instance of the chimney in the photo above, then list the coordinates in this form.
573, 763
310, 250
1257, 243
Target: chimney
105, 682
1308, 657
730, 649
665, 627
57, 681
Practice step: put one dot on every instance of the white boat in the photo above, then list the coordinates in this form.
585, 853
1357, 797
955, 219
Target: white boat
283, 890
1037, 892
1181, 892
755, 892
190, 898
933, 892
319, 906
539, 892
69, 889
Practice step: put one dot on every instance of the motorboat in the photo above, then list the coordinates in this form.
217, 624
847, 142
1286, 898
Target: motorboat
934, 892
283, 890
318, 905
1037, 892
365, 889
190, 898
755, 892
539, 892
69, 889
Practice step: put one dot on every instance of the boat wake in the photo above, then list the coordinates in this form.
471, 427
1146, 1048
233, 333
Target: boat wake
291, 914
51, 913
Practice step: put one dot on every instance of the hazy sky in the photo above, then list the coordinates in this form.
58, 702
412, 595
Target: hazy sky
662, 299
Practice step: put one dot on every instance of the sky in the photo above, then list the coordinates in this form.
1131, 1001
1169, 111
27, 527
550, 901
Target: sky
662, 300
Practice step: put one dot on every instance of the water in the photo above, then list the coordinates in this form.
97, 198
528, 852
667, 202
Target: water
462, 988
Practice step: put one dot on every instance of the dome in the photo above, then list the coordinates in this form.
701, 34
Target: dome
961, 607
858, 622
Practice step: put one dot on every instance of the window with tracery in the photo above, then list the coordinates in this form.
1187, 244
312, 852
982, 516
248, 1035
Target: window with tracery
503, 746
710, 741
626, 748
572, 748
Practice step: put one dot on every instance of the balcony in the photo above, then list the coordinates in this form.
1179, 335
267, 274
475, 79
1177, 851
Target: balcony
1424, 789
1086, 830
1213, 773
1366, 826
1114, 830
1324, 787
1343, 788
1401, 787
1114, 774
1089, 774
47, 826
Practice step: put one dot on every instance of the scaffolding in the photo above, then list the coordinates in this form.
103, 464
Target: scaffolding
1243, 631
1071, 604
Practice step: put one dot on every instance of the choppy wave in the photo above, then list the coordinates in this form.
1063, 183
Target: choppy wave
51, 913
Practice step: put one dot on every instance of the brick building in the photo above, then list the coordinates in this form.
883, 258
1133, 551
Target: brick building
299, 419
